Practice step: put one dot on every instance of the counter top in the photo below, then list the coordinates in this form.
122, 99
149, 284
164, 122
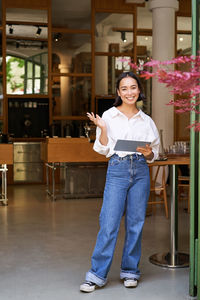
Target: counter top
37, 139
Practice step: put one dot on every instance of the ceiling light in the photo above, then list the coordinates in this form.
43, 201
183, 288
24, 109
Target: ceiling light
123, 36
39, 30
11, 29
146, 38
181, 39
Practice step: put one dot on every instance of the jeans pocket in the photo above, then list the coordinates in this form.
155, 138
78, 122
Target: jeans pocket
114, 161
142, 160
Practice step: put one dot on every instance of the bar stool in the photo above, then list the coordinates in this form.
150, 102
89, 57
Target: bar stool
158, 187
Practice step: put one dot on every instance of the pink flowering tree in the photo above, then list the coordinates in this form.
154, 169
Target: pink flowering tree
183, 85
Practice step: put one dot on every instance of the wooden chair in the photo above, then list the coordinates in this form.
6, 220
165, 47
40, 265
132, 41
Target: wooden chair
158, 190
184, 182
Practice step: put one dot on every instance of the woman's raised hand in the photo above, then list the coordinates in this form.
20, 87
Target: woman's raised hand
98, 121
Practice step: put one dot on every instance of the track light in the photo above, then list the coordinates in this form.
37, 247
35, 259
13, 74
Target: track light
11, 29
123, 36
39, 30
57, 37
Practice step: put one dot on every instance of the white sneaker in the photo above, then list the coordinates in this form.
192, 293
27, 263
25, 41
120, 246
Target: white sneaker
87, 287
130, 282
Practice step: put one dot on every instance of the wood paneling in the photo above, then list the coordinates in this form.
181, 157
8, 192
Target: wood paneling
184, 8
6, 154
36, 4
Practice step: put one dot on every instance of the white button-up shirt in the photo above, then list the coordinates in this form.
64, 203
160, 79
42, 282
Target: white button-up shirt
139, 128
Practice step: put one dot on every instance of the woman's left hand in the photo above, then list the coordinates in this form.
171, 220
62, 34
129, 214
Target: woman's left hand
146, 151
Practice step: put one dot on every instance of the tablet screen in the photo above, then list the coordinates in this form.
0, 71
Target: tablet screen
129, 146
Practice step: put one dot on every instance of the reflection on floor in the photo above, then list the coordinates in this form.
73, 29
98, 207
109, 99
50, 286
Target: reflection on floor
46, 248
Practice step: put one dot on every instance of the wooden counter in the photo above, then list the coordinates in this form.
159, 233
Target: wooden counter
71, 150
6, 154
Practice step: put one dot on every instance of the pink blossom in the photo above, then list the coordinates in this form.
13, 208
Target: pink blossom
152, 63
184, 84
134, 66
147, 75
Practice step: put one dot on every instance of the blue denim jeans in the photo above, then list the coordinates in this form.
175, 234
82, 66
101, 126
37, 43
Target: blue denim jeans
127, 189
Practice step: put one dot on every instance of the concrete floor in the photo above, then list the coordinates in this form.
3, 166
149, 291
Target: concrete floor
46, 247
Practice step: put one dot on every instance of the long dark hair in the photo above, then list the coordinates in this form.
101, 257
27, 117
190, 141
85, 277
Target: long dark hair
118, 100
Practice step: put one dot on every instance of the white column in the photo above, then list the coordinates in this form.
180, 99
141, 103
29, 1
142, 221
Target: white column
64, 91
163, 48
101, 67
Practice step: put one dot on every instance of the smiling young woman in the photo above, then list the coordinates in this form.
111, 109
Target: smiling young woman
127, 182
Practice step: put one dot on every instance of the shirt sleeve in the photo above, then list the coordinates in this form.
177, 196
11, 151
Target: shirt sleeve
155, 144
98, 147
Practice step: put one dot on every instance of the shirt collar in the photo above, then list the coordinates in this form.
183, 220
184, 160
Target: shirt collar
114, 112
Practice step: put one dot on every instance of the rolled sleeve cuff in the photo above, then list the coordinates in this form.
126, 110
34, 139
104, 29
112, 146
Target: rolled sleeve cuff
155, 156
101, 149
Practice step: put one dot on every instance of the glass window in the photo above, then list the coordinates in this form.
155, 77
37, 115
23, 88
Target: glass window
75, 17
184, 23
37, 71
184, 42
144, 17
114, 29
22, 75
77, 47
144, 46
184, 36
76, 97
15, 70
36, 86
29, 69
29, 86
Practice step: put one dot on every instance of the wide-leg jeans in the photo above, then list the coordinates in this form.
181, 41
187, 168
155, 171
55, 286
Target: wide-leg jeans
126, 190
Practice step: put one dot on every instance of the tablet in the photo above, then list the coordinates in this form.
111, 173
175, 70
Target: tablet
129, 146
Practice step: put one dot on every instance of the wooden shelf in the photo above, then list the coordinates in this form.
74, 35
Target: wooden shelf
114, 54
42, 24
27, 96
24, 38
72, 74
78, 118
68, 30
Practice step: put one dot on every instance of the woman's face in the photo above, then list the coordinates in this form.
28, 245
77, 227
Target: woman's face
128, 90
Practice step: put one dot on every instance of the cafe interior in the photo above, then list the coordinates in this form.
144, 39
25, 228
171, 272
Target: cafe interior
59, 60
